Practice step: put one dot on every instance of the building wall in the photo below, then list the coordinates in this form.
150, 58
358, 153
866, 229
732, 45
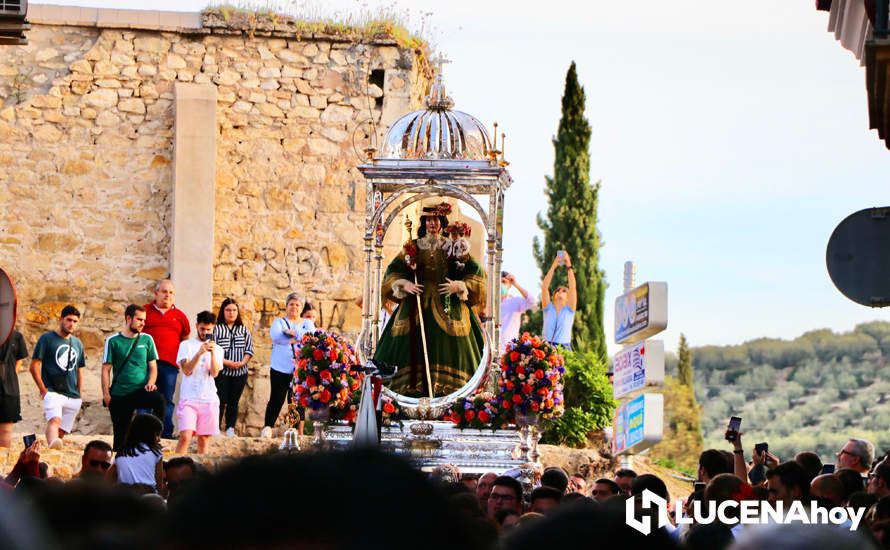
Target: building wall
86, 177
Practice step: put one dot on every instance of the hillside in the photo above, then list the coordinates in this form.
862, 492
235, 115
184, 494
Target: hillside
810, 393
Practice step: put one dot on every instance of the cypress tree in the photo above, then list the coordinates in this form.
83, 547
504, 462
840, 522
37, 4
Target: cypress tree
571, 219
684, 362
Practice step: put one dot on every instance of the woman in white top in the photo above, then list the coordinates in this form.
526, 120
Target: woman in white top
140, 460
286, 333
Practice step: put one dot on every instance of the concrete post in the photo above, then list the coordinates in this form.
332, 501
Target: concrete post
194, 176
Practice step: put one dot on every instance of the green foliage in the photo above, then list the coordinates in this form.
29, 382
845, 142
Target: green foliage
684, 362
571, 429
809, 393
572, 218
682, 441
588, 399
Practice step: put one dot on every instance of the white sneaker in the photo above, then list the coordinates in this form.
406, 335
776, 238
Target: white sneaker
57, 444
230, 432
267, 432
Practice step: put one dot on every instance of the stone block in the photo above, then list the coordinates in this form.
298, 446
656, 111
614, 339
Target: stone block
175, 62
131, 105
102, 98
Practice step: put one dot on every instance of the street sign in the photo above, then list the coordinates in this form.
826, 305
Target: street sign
858, 257
639, 424
7, 307
641, 312
638, 366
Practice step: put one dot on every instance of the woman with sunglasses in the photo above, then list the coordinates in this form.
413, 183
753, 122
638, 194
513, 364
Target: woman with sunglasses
559, 311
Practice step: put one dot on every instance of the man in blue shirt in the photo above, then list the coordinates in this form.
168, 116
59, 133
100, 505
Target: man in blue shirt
56, 368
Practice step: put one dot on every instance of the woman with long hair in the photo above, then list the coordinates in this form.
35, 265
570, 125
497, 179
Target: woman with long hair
237, 344
140, 460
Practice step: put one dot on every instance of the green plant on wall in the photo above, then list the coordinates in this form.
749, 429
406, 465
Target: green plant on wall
588, 400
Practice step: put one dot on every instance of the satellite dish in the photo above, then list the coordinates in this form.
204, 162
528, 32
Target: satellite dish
7, 307
858, 257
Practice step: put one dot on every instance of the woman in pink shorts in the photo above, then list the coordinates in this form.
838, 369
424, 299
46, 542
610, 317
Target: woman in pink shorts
198, 409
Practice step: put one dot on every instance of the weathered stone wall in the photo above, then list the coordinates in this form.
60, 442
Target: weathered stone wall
86, 180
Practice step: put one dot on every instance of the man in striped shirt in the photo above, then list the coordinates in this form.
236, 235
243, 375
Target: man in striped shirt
129, 372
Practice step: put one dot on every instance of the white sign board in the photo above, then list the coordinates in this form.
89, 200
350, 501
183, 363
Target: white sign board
639, 424
641, 313
637, 366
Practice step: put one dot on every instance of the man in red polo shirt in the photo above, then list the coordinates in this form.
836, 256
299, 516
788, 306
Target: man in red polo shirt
168, 326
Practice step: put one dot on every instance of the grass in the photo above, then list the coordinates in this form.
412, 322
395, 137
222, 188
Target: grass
308, 17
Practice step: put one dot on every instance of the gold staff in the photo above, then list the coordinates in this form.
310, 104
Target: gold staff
426, 359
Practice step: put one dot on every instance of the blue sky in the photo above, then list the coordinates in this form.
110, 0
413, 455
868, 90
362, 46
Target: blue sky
730, 138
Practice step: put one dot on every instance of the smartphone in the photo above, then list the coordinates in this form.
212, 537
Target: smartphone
208, 337
827, 469
698, 486
29, 440
735, 424
761, 448
561, 257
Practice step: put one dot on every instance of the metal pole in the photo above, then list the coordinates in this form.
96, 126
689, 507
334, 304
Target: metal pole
630, 279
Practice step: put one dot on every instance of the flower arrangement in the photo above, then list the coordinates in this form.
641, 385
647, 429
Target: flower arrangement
480, 410
410, 252
327, 375
389, 410
530, 382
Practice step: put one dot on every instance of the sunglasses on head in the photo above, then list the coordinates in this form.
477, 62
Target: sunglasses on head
100, 464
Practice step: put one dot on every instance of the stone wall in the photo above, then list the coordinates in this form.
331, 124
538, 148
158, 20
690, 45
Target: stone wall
86, 126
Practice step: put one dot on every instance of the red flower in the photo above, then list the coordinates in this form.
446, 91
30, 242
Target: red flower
484, 416
534, 406
539, 374
325, 396
318, 355
304, 400
389, 408
520, 370
311, 381
510, 385
539, 354
349, 416
469, 415
526, 388
505, 367
333, 354
514, 356
326, 375
517, 398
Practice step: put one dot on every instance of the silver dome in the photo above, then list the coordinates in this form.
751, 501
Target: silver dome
437, 132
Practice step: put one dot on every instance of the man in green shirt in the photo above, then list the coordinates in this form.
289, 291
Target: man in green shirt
129, 372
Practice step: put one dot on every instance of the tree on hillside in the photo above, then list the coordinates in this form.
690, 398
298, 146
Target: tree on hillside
572, 217
683, 440
684, 362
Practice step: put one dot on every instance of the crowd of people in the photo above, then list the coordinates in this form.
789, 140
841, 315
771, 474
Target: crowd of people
154, 351
366, 499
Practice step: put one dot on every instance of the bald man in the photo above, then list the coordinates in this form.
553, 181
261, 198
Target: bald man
829, 487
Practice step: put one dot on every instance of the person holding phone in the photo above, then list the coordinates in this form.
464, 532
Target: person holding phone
56, 368
200, 360
286, 333
559, 310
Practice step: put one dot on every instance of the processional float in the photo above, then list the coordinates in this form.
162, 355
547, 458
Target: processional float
436, 153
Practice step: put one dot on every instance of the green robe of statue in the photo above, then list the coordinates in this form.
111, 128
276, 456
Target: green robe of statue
453, 336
